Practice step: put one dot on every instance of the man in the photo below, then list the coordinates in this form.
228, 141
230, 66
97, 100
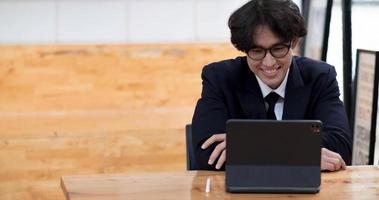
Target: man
241, 88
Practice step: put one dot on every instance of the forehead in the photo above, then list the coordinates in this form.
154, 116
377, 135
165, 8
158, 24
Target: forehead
264, 37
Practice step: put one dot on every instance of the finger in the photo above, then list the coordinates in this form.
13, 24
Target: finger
214, 138
343, 164
221, 160
338, 156
335, 162
327, 166
216, 152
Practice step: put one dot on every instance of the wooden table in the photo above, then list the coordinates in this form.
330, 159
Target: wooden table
358, 182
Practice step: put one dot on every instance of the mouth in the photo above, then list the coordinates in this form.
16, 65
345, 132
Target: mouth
270, 72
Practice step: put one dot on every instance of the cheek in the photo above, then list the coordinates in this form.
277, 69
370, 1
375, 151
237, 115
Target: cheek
285, 63
253, 66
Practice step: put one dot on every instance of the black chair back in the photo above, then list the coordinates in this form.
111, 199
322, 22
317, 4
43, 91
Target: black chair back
190, 154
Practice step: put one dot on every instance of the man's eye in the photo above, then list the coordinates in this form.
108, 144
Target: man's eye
279, 48
257, 51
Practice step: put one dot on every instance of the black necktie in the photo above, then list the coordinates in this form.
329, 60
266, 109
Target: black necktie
271, 99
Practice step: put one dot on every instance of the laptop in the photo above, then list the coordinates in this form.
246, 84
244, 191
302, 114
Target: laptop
269, 156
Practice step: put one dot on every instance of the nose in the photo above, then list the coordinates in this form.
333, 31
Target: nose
268, 60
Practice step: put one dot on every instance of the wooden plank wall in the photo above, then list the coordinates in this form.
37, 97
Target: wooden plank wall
95, 109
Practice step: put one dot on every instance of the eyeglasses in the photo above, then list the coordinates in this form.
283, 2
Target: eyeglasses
277, 51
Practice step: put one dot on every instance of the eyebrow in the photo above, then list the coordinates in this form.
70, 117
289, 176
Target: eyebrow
258, 46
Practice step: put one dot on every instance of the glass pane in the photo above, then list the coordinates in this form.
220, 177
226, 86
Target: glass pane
334, 56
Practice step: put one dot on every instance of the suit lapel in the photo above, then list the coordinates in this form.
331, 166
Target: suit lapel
297, 94
250, 96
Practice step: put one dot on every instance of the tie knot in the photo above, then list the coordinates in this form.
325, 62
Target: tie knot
272, 98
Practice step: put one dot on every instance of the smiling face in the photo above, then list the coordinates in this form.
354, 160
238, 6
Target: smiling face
270, 70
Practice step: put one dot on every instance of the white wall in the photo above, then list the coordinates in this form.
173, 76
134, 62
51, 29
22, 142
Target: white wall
114, 21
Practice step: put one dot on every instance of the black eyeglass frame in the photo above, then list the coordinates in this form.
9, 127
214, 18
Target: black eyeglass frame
288, 46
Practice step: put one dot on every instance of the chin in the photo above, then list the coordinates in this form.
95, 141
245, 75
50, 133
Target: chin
272, 84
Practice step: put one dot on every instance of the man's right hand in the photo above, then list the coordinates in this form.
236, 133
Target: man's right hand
219, 151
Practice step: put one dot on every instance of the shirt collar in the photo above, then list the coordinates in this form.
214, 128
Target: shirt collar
280, 90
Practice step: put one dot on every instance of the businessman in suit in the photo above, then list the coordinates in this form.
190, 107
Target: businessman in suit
269, 83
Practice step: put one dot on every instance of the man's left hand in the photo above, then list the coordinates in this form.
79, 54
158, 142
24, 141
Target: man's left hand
331, 161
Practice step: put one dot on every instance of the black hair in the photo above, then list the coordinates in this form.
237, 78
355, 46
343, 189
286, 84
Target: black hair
283, 17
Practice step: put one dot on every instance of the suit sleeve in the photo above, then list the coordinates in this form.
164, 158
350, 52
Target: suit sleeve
209, 117
330, 110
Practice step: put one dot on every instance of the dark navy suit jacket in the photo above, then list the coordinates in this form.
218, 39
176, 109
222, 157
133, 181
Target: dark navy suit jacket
231, 91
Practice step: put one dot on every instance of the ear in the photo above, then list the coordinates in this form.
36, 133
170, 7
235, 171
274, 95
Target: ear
295, 42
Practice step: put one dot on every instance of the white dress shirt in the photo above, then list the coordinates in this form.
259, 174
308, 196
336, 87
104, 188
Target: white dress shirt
281, 91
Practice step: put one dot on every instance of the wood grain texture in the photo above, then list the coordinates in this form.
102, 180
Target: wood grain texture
355, 183
95, 109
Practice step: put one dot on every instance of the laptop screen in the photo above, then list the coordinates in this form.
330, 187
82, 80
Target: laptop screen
267, 142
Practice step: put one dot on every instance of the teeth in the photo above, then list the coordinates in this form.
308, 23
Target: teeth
270, 70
